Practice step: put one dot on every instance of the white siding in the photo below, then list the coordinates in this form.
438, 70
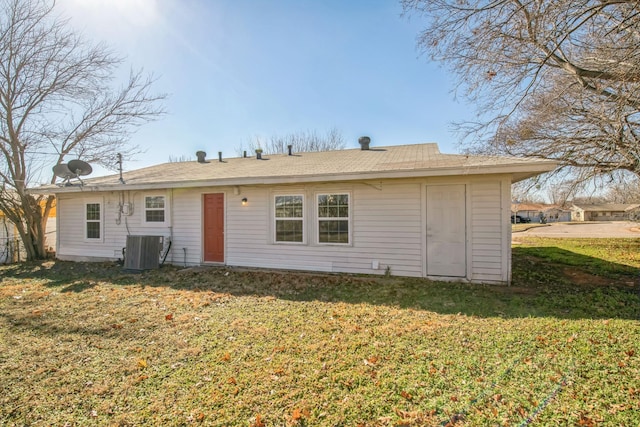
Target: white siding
387, 227
115, 227
487, 236
186, 247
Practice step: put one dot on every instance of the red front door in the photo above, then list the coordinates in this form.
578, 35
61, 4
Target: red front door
214, 227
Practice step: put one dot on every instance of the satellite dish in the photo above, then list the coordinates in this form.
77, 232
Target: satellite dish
79, 168
63, 171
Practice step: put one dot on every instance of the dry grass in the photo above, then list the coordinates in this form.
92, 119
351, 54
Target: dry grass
90, 345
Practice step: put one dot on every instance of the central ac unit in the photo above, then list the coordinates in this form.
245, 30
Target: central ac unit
143, 252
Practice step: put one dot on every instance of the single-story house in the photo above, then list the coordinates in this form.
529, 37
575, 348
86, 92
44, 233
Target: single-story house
407, 210
602, 212
536, 211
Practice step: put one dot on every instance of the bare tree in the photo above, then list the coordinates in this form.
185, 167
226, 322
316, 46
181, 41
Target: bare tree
180, 158
56, 102
526, 192
552, 79
626, 191
300, 142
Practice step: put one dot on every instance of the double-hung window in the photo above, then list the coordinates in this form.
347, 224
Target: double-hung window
289, 218
93, 221
154, 209
333, 218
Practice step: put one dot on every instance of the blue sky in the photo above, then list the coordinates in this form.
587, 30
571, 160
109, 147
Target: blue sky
240, 69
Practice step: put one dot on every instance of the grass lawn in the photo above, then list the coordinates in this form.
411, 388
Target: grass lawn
88, 344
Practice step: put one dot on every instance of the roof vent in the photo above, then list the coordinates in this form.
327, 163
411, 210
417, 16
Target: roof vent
201, 155
220, 156
290, 148
364, 142
259, 154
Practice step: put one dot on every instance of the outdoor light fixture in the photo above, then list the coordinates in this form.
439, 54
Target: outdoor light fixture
244, 201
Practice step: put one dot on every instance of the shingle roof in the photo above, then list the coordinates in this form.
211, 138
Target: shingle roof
379, 162
542, 207
611, 207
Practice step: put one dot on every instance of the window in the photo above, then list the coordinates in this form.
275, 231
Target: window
93, 221
333, 218
289, 217
154, 211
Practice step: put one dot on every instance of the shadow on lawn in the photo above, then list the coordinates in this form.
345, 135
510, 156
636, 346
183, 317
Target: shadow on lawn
547, 282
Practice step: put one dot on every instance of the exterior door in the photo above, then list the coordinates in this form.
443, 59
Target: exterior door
446, 230
213, 219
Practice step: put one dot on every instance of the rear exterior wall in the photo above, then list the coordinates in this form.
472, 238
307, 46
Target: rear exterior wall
386, 225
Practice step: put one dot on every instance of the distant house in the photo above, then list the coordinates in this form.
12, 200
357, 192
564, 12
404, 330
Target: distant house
535, 211
407, 210
603, 212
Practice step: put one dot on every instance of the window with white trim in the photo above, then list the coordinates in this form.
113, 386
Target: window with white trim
333, 218
289, 218
154, 209
93, 221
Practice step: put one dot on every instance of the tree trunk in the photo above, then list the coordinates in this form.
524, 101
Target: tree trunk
31, 226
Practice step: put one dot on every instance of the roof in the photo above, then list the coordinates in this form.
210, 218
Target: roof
400, 161
611, 207
538, 207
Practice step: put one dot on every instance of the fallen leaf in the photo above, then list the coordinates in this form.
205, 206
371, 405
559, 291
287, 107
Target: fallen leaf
406, 395
586, 421
142, 363
258, 422
168, 316
226, 357
200, 417
141, 378
296, 415
232, 381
